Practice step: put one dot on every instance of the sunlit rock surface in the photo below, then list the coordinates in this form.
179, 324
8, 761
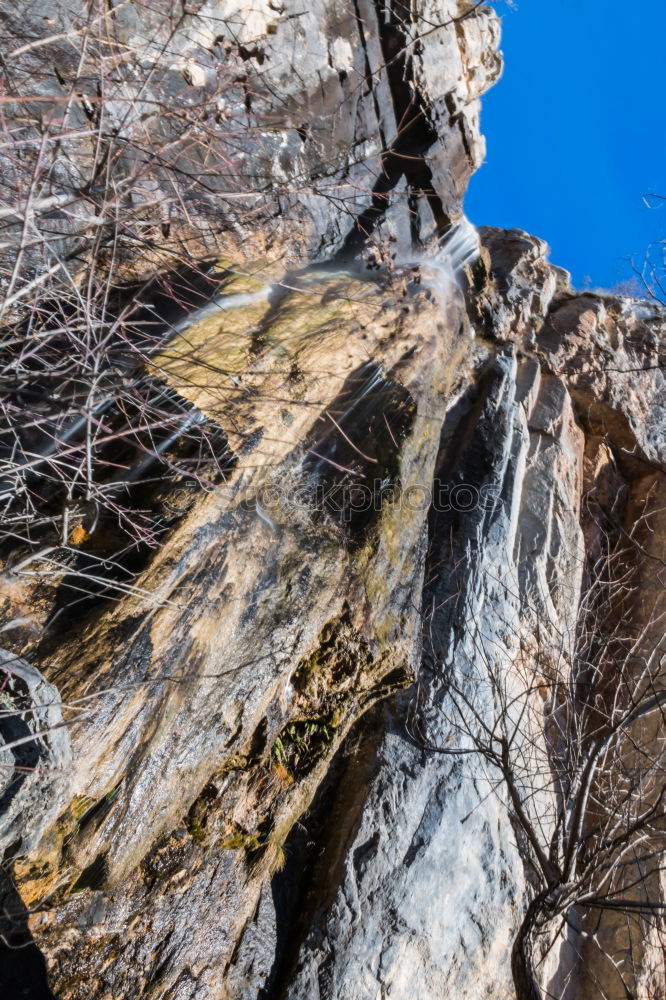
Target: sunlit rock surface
246, 810
282, 608
306, 109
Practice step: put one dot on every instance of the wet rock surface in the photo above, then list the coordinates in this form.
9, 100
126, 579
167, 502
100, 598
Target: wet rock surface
194, 769
248, 799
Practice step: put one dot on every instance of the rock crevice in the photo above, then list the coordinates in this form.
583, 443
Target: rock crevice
252, 783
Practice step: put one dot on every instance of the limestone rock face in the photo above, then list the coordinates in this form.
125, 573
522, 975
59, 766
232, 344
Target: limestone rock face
422, 824
191, 772
612, 352
257, 791
36, 754
312, 110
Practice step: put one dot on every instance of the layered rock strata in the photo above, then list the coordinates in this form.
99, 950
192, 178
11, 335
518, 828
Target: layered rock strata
247, 798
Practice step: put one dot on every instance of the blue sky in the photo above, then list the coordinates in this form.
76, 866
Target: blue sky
576, 132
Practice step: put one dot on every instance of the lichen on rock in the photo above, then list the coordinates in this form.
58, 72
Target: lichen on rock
234, 769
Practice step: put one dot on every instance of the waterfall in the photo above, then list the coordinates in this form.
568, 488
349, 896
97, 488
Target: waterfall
441, 267
459, 247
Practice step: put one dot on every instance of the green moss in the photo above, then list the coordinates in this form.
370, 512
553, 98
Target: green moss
197, 818
91, 954
240, 840
302, 677
238, 762
301, 743
204, 361
250, 842
80, 806
196, 831
244, 279
337, 716
278, 751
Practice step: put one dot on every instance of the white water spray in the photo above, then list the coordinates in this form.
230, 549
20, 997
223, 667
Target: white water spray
460, 247
442, 271
220, 303
457, 250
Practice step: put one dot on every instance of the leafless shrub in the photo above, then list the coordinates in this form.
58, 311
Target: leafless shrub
570, 728
650, 273
121, 168
125, 167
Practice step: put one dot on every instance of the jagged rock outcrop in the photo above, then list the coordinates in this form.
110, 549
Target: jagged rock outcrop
37, 756
428, 888
420, 868
266, 798
310, 114
191, 772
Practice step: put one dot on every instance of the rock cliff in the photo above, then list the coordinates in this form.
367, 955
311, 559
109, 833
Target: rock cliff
244, 777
